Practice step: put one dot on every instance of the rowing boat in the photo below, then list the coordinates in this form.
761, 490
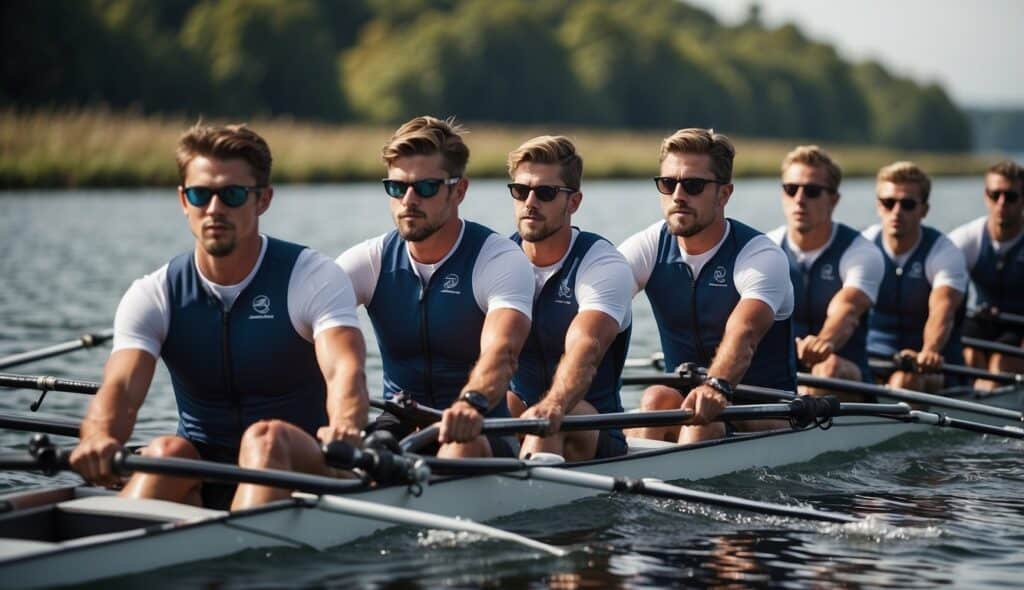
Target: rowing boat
78, 534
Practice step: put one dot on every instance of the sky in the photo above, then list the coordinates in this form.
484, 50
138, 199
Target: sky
973, 48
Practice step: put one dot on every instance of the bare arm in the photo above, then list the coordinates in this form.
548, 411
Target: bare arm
590, 334
341, 354
111, 416
843, 316
749, 321
942, 305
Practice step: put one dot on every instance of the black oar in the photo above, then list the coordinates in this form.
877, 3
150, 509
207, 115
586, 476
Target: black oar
84, 341
992, 315
46, 383
906, 363
751, 393
990, 346
36, 423
907, 395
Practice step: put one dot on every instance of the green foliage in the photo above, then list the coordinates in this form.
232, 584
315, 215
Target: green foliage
646, 64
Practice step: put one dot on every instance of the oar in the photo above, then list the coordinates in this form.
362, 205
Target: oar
48, 458
991, 315
687, 382
656, 361
84, 341
36, 423
990, 346
907, 395
903, 363
46, 383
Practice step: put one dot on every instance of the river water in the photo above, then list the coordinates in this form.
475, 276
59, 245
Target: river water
951, 503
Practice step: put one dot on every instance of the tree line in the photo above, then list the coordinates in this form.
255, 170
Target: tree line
643, 64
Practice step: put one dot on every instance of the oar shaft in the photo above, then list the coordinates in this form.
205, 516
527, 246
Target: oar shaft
990, 346
907, 395
1000, 316
887, 362
744, 392
36, 423
85, 341
44, 383
935, 419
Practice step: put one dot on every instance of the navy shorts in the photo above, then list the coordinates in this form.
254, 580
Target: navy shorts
983, 329
217, 495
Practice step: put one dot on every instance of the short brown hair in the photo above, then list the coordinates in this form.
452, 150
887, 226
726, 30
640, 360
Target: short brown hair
906, 173
702, 141
225, 143
425, 136
550, 149
1008, 169
814, 156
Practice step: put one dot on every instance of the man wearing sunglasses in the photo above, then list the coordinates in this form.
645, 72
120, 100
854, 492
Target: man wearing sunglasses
917, 315
719, 289
260, 337
572, 362
835, 271
450, 300
994, 252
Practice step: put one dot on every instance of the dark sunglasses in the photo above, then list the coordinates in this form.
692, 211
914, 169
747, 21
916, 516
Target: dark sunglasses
811, 191
544, 192
1011, 196
691, 186
906, 204
425, 188
232, 195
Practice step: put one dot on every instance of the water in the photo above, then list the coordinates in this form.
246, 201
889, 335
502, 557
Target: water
948, 506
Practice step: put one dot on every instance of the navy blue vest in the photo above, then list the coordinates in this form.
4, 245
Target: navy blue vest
553, 312
899, 316
429, 335
999, 278
691, 312
814, 288
232, 368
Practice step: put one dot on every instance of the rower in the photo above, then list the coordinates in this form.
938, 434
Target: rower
918, 312
450, 300
994, 252
572, 362
719, 289
262, 363
835, 271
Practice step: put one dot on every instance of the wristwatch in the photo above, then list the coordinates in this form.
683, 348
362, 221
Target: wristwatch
721, 386
476, 399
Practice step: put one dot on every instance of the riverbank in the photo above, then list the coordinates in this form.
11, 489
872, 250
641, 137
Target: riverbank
55, 149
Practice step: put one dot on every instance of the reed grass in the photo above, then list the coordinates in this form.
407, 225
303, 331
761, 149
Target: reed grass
95, 147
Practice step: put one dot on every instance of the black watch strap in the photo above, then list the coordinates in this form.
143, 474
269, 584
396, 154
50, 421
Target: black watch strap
721, 386
476, 399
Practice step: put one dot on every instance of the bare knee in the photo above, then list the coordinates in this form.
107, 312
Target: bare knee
171, 446
264, 444
660, 397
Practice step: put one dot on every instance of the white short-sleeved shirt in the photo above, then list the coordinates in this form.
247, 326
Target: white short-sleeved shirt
968, 237
861, 266
320, 297
944, 266
761, 270
604, 281
502, 275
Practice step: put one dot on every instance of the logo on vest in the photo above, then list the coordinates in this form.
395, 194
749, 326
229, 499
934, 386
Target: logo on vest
828, 273
564, 291
261, 305
718, 277
916, 270
449, 283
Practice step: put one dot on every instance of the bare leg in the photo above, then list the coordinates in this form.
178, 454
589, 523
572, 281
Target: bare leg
916, 381
516, 407
658, 397
478, 447
574, 446
980, 359
835, 367
163, 487
1001, 363
275, 444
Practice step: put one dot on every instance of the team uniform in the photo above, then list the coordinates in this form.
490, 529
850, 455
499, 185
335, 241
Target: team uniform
428, 317
846, 260
592, 275
898, 319
239, 353
997, 273
692, 297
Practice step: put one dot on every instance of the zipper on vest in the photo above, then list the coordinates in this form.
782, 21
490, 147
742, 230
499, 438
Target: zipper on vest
425, 339
899, 307
229, 384
698, 344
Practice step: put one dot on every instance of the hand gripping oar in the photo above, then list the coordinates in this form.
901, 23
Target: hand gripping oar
907, 395
906, 363
84, 341
990, 346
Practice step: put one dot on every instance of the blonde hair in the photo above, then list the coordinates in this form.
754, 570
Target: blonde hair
550, 149
225, 143
1008, 169
702, 141
906, 173
814, 156
425, 136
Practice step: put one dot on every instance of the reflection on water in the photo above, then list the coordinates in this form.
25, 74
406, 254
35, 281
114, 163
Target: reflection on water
949, 506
